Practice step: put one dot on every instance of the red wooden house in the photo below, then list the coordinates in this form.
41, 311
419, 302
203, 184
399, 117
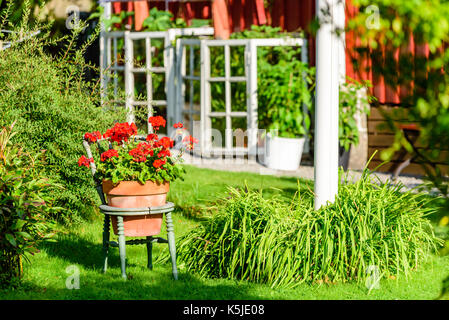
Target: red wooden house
235, 15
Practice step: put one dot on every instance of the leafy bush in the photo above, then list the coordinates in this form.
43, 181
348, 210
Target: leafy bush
350, 103
268, 241
53, 107
160, 20
25, 202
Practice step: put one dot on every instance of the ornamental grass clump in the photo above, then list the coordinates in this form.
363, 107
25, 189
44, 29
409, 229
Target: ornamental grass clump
369, 227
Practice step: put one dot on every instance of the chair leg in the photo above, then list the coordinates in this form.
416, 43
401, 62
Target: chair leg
122, 245
150, 253
106, 226
401, 167
171, 243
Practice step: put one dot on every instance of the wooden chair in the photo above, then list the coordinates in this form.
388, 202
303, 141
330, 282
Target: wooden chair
411, 134
109, 211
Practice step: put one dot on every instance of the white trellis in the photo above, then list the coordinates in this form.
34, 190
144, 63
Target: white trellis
201, 113
111, 68
174, 68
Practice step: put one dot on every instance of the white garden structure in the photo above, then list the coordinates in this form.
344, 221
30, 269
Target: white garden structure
201, 113
178, 52
110, 66
330, 72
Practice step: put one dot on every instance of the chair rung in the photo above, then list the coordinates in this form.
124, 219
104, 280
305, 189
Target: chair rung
140, 241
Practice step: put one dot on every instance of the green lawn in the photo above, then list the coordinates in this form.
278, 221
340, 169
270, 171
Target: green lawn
45, 277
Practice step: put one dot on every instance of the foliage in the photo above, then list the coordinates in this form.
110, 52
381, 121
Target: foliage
426, 79
17, 9
160, 20
53, 106
25, 203
131, 159
268, 241
352, 102
48, 267
445, 290
157, 20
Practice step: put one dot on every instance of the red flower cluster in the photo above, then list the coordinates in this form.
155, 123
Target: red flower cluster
157, 122
108, 155
164, 142
141, 152
92, 137
121, 132
190, 142
158, 163
164, 153
84, 161
152, 137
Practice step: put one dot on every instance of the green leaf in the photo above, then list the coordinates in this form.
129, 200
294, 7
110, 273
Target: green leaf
11, 239
18, 224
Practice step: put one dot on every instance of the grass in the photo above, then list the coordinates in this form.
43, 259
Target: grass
80, 245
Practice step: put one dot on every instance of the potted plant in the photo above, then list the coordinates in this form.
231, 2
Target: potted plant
353, 102
284, 94
137, 173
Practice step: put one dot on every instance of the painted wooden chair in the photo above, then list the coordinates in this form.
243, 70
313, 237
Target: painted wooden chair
119, 213
411, 133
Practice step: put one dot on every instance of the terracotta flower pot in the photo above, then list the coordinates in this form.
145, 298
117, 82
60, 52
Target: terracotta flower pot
132, 194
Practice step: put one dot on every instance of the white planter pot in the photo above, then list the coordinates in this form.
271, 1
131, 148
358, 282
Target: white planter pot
283, 153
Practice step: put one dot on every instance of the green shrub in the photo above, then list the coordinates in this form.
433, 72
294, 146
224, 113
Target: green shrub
25, 202
53, 107
351, 103
268, 241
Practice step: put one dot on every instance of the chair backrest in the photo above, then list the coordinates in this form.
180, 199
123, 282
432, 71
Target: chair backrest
93, 168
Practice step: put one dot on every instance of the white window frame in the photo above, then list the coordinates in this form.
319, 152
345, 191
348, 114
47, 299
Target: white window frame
108, 45
250, 78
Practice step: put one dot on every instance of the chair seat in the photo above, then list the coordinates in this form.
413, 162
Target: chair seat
115, 211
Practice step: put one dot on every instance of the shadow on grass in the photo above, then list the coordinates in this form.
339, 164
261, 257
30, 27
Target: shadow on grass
142, 284
78, 250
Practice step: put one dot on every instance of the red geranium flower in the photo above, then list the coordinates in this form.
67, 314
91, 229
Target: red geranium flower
157, 122
158, 163
165, 142
92, 137
190, 142
178, 125
164, 153
141, 152
84, 161
121, 132
152, 137
190, 139
109, 154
